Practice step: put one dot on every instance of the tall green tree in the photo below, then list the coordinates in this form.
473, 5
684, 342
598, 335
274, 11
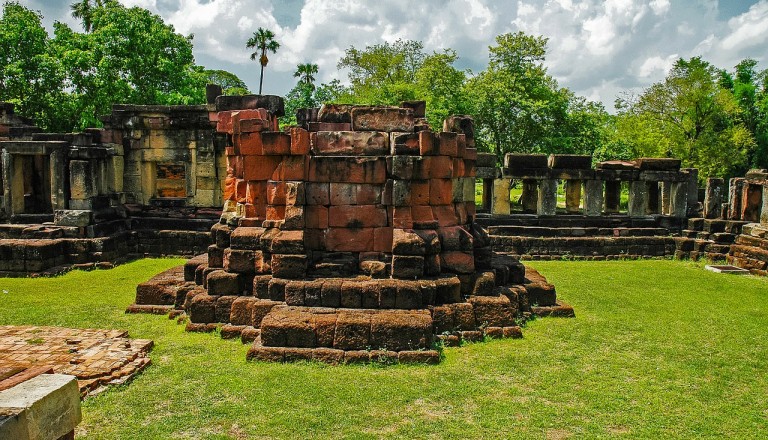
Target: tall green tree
306, 72
84, 9
750, 90
30, 76
264, 41
691, 116
389, 73
130, 56
518, 107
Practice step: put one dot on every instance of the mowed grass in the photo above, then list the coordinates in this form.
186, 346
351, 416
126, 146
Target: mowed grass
658, 349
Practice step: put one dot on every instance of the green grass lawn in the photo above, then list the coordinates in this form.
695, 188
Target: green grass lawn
658, 349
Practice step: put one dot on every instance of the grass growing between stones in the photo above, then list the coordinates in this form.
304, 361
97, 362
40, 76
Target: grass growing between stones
658, 349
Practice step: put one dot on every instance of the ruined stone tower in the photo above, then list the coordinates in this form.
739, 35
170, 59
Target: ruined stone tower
350, 238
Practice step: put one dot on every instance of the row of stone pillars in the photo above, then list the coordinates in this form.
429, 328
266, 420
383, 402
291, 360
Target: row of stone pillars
591, 197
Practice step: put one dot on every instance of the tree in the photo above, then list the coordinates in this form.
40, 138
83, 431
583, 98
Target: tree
750, 90
690, 116
30, 76
518, 107
264, 41
383, 73
305, 95
83, 10
307, 73
230, 83
441, 85
130, 56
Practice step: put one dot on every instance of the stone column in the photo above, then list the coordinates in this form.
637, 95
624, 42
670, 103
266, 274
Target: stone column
547, 204
764, 212
501, 196
693, 189
713, 198
487, 194
572, 196
653, 198
58, 176
81, 184
735, 187
678, 199
530, 197
612, 196
593, 198
638, 199
7, 176
666, 199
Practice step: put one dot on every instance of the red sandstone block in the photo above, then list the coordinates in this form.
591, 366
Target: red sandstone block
238, 166
441, 167
461, 213
357, 216
348, 169
461, 145
448, 144
276, 212
458, 168
295, 167
422, 213
316, 216
355, 194
402, 217
276, 143
469, 168
275, 192
260, 167
470, 154
241, 190
229, 188
299, 141
256, 192
420, 192
428, 145
471, 209
317, 193
253, 125
329, 126
212, 116
249, 144
349, 240
382, 239
224, 122
350, 143
314, 239
404, 144
440, 192
445, 215
387, 119
458, 262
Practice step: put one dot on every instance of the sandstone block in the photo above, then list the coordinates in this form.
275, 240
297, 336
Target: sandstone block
350, 143
382, 119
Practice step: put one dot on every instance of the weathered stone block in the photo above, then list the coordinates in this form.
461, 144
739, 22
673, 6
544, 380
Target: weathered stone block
382, 119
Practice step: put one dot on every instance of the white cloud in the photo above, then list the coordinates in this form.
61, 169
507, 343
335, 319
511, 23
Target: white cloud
597, 48
748, 29
657, 66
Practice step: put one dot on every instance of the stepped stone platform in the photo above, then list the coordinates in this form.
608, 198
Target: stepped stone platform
350, 238
97, 358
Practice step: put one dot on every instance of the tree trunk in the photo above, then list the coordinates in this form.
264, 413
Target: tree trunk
261, 77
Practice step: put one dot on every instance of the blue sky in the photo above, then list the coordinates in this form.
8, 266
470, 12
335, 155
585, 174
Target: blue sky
596, 48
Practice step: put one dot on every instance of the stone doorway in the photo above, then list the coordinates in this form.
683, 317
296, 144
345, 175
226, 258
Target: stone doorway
32, 185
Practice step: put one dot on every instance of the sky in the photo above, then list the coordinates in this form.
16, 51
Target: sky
598, 49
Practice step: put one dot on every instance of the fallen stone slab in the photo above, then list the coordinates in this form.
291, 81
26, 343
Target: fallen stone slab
46, 407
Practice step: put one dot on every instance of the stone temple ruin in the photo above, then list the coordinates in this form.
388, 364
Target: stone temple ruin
350, 238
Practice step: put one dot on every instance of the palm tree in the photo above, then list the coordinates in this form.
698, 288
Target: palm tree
263, 40
84, 11
307, 73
